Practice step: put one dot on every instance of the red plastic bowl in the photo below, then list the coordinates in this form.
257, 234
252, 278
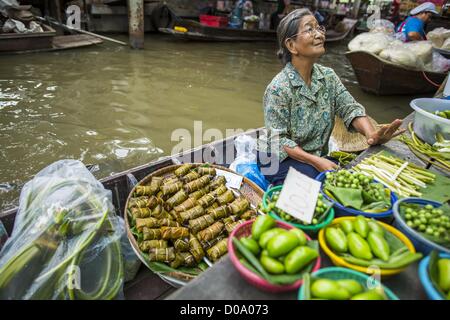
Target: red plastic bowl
245, 230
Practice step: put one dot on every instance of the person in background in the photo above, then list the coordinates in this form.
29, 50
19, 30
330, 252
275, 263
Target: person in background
395, 12
413, 28
282, 10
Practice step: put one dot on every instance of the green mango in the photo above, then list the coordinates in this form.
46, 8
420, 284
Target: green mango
375, 227
359, 247
374, 294
300, 235
352, 286
379, 245
298, 258
250, 244
347, 226
269, 234
361, 226
444, 274
328, 289
282, 244
262, 224
272, 265
336, 239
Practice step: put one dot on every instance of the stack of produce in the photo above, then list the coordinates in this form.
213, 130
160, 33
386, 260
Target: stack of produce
277, 255
366, 243
402, 177
183, 217
355, 190
320, 212
439, 157
439, 273
443, 114
342, 289
432, 223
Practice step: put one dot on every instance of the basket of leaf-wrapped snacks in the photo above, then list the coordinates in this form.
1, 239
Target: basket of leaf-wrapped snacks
179, 218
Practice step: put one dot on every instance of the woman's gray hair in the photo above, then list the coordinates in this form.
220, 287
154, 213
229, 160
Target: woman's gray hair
288, 28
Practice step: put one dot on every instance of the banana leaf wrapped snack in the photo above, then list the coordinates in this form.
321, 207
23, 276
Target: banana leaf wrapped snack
185, 216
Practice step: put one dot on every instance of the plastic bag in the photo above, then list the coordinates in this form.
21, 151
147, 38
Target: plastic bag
65, 243
382, 26
438, 63
130, 259
370, 42
422, 49
245, 162
3, 235
402, 56
446, 44
438, 36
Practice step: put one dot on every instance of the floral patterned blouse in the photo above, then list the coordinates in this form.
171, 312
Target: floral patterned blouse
298, 115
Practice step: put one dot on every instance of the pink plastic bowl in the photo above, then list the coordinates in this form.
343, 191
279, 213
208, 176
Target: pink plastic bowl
245, 230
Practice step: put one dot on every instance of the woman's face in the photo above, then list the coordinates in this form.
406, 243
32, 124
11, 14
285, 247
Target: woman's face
309, 41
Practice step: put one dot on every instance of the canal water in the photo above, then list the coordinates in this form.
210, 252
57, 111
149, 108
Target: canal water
116, 107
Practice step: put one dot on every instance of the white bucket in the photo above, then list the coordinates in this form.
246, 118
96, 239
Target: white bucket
426, 123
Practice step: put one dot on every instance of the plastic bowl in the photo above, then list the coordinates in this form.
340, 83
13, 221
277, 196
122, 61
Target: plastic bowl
337, 273
431, 291
338, 261
245, 230
421, 243
426, 124
310, 229
342, 211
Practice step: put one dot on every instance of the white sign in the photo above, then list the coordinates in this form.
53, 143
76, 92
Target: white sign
233, 180
299, 195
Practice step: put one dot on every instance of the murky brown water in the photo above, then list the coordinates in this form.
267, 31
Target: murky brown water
116, 107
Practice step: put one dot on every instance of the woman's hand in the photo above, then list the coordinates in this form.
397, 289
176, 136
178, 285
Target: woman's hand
323, 164
385, 133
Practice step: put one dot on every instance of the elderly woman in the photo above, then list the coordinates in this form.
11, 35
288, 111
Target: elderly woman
302, 100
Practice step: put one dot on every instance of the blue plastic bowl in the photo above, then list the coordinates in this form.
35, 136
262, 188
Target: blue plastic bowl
431, 291
341, 211
421, 243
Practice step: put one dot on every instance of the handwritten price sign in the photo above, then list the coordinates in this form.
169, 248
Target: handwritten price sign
299, 196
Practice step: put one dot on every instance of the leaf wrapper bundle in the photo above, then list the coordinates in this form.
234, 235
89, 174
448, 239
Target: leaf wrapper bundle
147, 222
211, 232
153, 244
230, 227
239, 205
140, 212
217, 182
196, 248
225, 198
218, 250
181, 171
208, 244
206, 200
220, 212
188, 259
176, 199
168, 223
181, 245
191, 176
192, 213
249, 214
199, 193
186, 205
151, 234
219, 190
174, 232
206, 171
197, 184
171, 188
201, 223
162, 254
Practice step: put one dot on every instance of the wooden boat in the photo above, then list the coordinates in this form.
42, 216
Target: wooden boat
381, 77
15, 43
198, 32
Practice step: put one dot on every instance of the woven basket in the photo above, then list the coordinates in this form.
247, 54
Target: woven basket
248, 189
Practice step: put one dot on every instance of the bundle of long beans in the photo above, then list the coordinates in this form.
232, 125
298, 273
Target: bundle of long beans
344, 158
403, 178
426, 152
65, 228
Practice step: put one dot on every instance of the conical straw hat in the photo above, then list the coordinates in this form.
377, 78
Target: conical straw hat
349, 141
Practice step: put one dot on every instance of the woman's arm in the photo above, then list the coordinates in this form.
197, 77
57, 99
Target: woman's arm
414, 36
377, 136
321, 164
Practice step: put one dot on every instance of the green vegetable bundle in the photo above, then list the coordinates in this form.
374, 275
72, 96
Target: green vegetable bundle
432, 223
357, 191
366, 243
278, 255
66, 239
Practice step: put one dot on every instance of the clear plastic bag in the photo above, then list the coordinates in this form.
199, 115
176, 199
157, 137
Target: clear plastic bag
3, 235
438, 36
65, 243
438, 63
383, 26
245, 162
373, 42
130, 259
401, 55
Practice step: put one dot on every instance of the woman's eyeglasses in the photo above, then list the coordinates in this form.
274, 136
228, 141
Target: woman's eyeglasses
311, 31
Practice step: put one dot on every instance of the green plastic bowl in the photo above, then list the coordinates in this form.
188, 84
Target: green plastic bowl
308, 228
338, 273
